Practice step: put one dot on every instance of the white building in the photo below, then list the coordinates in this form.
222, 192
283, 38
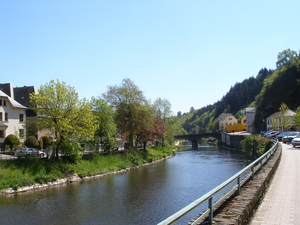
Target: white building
250, 115
226, 119
281, 122
12, 118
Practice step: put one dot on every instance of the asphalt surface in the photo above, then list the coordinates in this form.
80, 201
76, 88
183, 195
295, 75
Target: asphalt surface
281, 203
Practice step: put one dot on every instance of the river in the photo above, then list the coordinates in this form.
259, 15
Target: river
146, 195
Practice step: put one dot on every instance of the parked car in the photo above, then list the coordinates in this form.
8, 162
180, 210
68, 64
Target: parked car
29, 153
273, 134
268, 133
289, 137
296, 141
281, 135
265, 134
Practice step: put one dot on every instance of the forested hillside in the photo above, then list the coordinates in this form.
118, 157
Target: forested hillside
266, 92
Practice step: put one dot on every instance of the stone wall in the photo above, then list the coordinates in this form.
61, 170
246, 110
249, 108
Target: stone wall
242, 207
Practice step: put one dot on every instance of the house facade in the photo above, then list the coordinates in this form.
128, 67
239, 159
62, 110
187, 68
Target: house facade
12, 118
21, 95
279, 121
226, 119
250, 115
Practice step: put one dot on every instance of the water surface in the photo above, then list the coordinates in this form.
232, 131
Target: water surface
146, 195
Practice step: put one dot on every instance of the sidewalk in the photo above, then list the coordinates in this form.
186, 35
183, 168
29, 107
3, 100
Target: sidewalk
281, 203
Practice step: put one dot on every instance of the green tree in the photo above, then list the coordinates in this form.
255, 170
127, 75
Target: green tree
12, 141
106, 127
61, 111
163, 109
179, 114
262, 145
173, 127
287, 58
285, 120
297, 118
71, 149
150, 127
247, 144
276, 124
31, 128
126, 100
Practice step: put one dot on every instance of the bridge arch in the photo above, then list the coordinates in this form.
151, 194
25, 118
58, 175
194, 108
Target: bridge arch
194, 138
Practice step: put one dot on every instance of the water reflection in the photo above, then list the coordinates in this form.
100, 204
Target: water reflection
143, 196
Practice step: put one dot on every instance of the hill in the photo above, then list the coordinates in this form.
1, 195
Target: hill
266, 92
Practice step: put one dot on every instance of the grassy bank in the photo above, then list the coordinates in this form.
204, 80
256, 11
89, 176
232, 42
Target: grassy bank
25, 172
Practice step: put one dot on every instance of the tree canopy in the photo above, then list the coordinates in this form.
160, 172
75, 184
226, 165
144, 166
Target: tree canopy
287, 58
61, 111
163, 108
134, 115
126, 99
106, 127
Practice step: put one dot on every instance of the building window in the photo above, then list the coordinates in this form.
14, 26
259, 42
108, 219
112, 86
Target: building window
21, 133
2, 102
1, 116
6, 117
1, 133
21, 117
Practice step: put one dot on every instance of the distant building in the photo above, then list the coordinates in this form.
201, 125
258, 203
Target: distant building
21, 95
250, 115
226, 119
12, 118
281, 122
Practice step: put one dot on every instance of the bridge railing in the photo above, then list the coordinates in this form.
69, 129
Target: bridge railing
240, 178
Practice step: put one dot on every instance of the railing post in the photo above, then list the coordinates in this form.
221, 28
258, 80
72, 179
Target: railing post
239, 185
211, 211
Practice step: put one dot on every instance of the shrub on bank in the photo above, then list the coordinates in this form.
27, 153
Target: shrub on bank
255, 145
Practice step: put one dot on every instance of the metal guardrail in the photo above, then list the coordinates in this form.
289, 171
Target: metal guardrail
240, 177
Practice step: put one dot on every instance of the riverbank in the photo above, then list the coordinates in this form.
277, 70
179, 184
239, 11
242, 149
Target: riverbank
31, 174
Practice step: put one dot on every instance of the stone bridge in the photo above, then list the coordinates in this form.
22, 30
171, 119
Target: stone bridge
194, 138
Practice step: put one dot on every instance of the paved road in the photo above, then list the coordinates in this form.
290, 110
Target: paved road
281, 204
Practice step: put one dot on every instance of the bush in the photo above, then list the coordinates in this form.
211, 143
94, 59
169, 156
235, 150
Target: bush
109, 145
32, 142
255, 145
247, 144
12, 140
46, 141
71, 149
263, 145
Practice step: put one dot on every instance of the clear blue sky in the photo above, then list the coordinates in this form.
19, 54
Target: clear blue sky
189, 52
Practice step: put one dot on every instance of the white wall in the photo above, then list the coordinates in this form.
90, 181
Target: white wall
13, 125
